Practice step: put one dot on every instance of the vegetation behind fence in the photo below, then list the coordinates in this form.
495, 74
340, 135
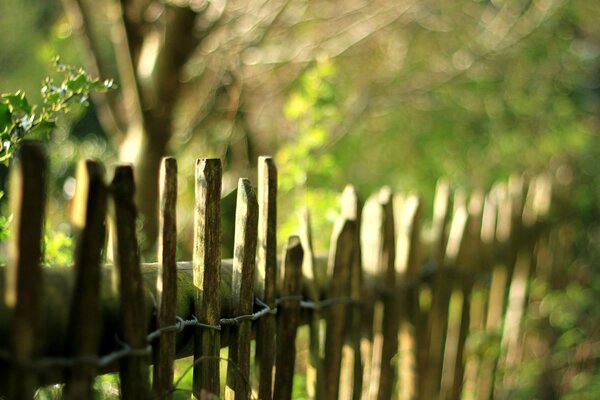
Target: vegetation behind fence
403, 303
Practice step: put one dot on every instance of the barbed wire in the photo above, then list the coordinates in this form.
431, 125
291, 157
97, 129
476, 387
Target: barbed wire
180, 324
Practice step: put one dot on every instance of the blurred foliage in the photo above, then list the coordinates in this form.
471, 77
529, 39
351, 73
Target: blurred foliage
19, 119
308, 176
58, 248
369, 94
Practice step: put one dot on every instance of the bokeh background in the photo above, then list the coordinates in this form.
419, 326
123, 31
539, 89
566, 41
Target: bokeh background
372, 93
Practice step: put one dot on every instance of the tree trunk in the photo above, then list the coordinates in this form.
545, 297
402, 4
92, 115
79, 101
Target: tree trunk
145, 148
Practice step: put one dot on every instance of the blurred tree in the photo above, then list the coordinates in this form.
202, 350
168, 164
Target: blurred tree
223, 68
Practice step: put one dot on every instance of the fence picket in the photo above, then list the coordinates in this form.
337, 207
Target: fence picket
207, 276
480, 296
408, 229
462, 254
315, 381
289, 318
23, 274
390, 320
371, 243
266, 273
242, 292
88, 220
498, 286
352, 363
440, 292
133, 370
166, 283
339, 269
517, 291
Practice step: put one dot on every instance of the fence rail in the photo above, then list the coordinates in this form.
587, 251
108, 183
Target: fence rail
398, 299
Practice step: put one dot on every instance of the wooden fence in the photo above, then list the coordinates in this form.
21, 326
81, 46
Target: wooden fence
398, 299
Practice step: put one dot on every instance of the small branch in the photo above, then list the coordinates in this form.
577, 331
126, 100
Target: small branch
123, 55
107, 103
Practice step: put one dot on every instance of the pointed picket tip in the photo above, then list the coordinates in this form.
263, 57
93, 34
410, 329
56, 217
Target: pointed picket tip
350, 203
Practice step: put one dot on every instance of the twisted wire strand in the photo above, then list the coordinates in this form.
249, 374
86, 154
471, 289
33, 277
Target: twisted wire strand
180, 324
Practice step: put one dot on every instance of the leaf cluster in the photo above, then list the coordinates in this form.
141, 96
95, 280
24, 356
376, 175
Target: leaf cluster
19, 118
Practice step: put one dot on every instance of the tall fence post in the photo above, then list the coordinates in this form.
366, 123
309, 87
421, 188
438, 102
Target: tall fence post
408, 210
207, 276
437, 318
23, 274
89, 224
242, 292
389, 323
340, 270
352, 363
166, 282
266, 273
288, 321
134, 369
315, 380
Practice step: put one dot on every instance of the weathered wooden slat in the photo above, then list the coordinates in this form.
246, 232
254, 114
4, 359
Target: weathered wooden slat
242, 292
452, 345
340, 269
380, 318
408, 230
133, 370
351, 373
289, 319
498, 287
511, 350
469, 260
266, 273
207, 276
431, 359
23, 274
479, 298
89, 225
476, 326
315, 381
390, 321
458, 242
371, 244
166, 283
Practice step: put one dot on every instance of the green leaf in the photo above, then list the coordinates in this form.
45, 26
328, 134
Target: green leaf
78, 83
5, 118
102, 85
44, 127
18, 102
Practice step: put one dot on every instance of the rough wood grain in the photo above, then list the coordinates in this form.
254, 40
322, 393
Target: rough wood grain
242, 292
23, 274
89, 225
315, 380
207, 276
432, 356
166, 283
340, 269
408, 229
351, 374
288, 320
266, 274
372, 250
390, 320
133, 370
